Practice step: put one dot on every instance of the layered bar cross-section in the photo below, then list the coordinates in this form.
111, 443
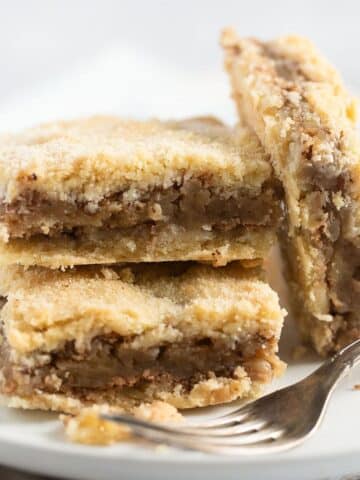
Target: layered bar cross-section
106, 190
296, 103
183, 333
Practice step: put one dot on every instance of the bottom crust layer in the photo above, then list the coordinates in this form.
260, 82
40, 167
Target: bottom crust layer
145, 244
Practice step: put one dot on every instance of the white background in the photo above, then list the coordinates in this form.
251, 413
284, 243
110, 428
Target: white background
146, 58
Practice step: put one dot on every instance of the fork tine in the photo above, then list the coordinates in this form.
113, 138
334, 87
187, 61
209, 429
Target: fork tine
261, 442
146, 431
253, 432
230, 419
251, 426
238, 415
246, 427
265, 435
238, 429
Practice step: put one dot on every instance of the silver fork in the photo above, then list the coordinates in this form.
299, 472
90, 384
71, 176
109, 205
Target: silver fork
276, 422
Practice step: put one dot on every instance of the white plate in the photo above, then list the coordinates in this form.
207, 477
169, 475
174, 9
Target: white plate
34, 441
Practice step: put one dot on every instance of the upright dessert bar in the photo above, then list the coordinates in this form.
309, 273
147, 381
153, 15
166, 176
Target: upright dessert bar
296, 103
105, 190
184, 333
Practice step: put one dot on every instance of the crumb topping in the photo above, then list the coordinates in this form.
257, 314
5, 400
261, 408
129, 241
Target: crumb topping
90, 158
150, 302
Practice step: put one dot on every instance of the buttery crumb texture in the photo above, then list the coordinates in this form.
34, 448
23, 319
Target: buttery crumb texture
306, 120
187, 334
90, 429
107, 190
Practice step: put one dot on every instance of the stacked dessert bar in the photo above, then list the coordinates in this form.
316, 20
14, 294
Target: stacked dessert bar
131, 252
305, 119
131, 264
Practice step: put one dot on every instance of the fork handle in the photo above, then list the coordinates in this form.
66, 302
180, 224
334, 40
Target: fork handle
339, 366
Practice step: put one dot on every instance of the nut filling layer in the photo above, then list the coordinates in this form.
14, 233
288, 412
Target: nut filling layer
109, 364
192, 204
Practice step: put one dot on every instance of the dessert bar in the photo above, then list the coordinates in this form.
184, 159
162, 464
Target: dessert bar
183, 333
106, 190
296, 103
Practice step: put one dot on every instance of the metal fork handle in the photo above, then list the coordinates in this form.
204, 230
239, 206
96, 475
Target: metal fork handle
337, 367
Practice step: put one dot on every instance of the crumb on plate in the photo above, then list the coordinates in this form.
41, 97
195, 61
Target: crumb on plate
89, 429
